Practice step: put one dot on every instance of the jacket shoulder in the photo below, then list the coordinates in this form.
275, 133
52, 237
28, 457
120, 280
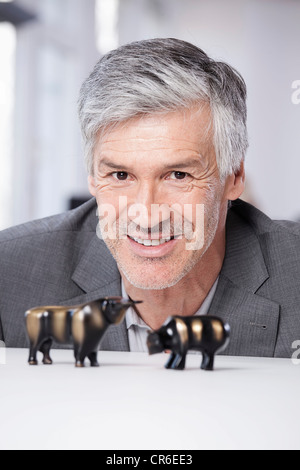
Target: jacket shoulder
261, 223
81, 219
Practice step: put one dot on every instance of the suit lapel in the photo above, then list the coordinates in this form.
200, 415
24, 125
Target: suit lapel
97, 270
98, 276
253, 319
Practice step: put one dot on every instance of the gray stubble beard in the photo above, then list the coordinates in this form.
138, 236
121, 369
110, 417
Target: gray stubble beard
211, 229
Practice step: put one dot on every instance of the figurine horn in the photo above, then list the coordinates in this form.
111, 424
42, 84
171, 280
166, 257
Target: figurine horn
128, 303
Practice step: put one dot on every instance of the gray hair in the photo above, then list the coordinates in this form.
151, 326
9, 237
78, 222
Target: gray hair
160, 76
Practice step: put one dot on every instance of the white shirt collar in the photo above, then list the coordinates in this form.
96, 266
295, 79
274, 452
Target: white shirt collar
132, 318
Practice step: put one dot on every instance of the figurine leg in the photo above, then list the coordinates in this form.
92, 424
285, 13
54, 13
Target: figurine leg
176, 361
76, 351
45, 349
179, 362
207, 361
79, 362
32, 356
93, 358
170, 361
79, 358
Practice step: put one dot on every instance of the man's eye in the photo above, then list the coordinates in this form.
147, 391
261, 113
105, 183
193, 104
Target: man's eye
120, 175
178, 175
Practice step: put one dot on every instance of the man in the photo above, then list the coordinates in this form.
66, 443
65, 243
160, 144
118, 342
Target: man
164, 129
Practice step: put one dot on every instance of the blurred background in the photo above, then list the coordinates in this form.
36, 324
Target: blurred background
48, 47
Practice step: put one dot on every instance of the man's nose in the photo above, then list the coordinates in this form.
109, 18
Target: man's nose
146, 194
150, 209
144, 200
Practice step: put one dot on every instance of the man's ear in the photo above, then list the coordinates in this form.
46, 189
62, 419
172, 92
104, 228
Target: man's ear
235, 184
92, 186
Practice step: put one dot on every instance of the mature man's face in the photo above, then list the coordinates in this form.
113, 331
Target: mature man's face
159, 175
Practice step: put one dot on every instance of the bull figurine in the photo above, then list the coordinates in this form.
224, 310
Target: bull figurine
81, 325
178, 334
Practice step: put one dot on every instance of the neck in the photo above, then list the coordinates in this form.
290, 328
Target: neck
184, 298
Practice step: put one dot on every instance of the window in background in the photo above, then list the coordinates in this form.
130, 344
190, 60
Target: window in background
107, 25
55, 128
54, 54
7, 73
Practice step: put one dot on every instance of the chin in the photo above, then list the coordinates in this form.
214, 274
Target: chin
154, 273
154, 282
150, 286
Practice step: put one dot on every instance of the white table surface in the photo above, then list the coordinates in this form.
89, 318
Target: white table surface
132, 402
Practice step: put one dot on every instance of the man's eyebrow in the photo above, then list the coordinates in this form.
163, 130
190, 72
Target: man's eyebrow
191, 163
110, 164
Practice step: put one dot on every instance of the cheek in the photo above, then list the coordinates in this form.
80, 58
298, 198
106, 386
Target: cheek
103, 188
204, 200
105, 194
108, 212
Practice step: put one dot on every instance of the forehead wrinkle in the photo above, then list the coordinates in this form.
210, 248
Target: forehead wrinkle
123, 150
148, 139
145, 145
166, 138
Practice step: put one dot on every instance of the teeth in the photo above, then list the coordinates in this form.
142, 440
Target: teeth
151, 242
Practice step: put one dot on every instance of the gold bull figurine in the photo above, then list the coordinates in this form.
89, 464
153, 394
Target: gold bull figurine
204, 333
81, 325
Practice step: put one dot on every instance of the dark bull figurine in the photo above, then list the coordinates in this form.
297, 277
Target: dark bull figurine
207, 334
83, 325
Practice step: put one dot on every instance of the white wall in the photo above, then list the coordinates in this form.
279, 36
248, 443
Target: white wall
54, 54
261, 38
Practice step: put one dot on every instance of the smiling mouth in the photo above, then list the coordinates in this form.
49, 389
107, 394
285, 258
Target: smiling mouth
150, 242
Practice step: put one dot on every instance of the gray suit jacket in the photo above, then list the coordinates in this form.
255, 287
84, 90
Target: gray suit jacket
59, 260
